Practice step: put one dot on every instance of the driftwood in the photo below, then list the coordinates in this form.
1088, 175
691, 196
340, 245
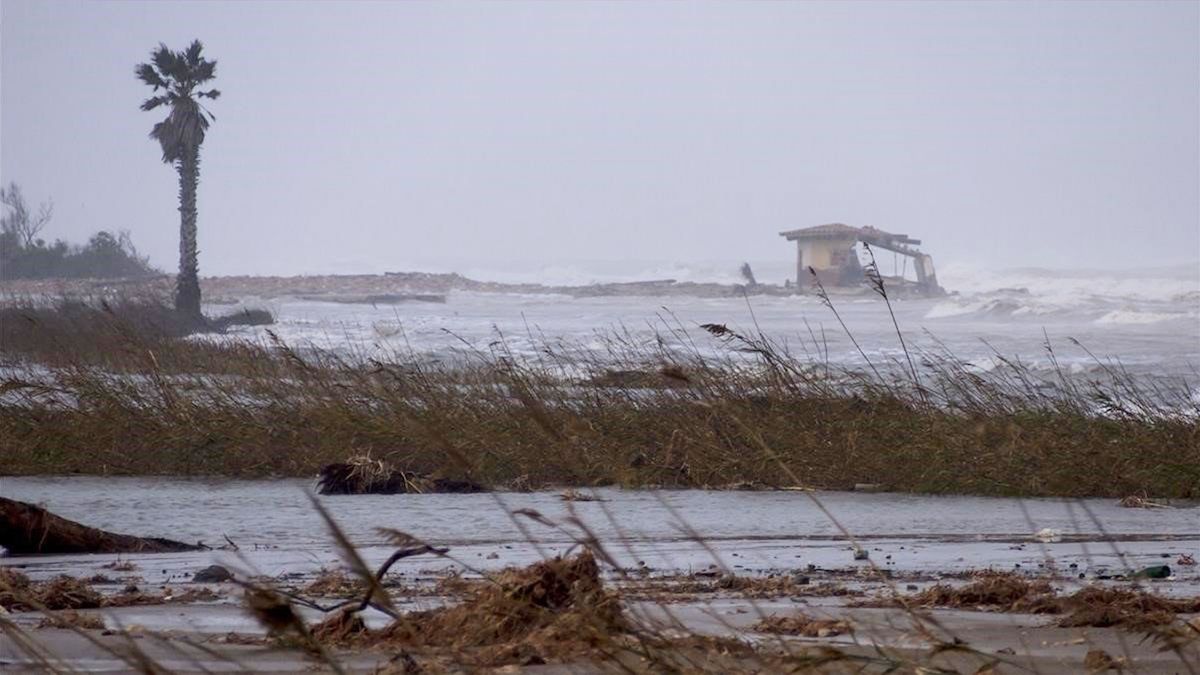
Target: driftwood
375, 478
26, 529
376, 585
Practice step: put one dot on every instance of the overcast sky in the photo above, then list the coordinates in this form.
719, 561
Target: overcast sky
392, 135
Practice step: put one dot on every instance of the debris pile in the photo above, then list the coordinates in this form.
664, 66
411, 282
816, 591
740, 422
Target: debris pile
1121, 607
72, 619
19, 594
1097, 606
996, 590
553, 610
335, 583
363, 475
802, 625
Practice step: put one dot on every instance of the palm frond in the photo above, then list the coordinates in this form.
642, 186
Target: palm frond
193, 53
212, 93
167, 138
191, 114
183, 129
152, 103
171, 64
146, 73
163, 59
204, 71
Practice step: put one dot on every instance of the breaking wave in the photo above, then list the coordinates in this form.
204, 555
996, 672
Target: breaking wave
977, 306
1133, 316
1066, 286
1105, 297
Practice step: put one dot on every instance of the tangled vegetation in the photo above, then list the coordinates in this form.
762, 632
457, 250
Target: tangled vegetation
1098, 606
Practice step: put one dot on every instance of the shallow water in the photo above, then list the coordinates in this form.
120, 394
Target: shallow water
279, 530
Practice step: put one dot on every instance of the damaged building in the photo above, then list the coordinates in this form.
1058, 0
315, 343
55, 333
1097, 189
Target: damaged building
831, 253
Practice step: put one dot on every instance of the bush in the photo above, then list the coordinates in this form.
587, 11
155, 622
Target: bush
104, 256
23, 255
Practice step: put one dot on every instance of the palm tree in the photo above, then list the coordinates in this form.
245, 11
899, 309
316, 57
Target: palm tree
178, 74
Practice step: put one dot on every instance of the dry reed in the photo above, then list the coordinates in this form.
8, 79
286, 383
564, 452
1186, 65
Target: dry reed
149, 403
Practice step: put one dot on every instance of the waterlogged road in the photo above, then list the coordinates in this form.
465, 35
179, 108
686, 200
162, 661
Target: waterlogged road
279, 531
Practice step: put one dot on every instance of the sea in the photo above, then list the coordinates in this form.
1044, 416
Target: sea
1137, 321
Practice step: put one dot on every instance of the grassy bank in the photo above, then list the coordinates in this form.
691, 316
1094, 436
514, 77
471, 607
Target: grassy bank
113, 397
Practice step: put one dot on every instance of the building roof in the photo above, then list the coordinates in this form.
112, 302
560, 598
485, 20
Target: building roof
843, 231
830, 231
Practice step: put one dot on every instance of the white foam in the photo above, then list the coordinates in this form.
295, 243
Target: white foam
949, 308
995, 304
1065, 287
1133, 316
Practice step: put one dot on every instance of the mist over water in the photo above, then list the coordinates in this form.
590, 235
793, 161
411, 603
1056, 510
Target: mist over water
1050, 134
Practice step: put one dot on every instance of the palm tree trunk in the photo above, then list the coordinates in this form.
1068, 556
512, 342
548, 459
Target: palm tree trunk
187, 284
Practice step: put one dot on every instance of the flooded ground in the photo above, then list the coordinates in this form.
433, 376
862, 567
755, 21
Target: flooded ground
279, 531
912, 541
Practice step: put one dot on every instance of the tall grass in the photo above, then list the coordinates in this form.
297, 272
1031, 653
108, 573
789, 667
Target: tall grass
106, 394
134, 334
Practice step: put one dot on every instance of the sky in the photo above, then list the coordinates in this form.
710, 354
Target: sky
391, 136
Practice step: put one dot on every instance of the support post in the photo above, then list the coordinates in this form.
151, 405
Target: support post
799, 265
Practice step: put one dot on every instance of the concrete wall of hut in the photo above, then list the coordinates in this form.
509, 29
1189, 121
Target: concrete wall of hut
821, 254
